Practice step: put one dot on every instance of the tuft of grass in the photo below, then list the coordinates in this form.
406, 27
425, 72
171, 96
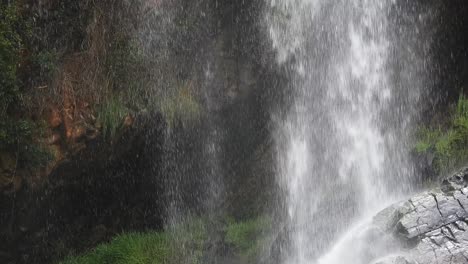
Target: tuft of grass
449, 146
110, 116
131, 248
426, 139
247, 238
181, 244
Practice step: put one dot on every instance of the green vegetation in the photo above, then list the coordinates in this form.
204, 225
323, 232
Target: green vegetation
130, 75
47, 62
449, 145
185, 243
73, 51
17, 137
125, 69
182, 244
247, 238
132, 248
16, 132
10, 46
110, 116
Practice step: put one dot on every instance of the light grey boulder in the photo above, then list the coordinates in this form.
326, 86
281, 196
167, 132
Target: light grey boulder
432, 226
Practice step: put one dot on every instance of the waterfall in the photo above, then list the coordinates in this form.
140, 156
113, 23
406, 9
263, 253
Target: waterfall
355, 83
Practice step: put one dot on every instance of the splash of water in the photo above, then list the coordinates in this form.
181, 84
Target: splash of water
342, 152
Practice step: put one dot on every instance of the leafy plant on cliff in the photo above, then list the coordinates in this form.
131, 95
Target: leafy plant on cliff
16, 132
10, 46
110, 116
47, 63
18, 138
448, 145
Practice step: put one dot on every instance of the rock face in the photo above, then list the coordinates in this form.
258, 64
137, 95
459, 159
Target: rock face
433, 225
89, 197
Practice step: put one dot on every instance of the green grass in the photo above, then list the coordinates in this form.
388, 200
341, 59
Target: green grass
247, 238
180, 244
449, 145
183, 243
132, 248
111, 115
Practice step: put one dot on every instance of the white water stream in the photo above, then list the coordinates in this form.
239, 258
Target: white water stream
341, 144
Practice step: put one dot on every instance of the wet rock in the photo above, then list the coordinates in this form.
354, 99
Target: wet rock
457, 181
99, 233
388, 218
54, 139
128, 121
78, 133
394, 260
448, 244
55, 118
434, 224
7, 161
8, 181
432, 210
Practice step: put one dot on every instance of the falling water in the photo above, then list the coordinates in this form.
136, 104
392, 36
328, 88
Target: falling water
341, 143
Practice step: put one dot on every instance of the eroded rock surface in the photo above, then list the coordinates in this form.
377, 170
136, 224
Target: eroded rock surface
433, 225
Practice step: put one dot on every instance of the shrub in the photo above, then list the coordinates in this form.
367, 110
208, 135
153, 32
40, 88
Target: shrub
47, 62
16, 133
10, 46
17, 137
450, 145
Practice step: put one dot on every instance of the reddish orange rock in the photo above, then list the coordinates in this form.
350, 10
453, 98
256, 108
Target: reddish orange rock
55, 119
78, 133
54, 139
128, 121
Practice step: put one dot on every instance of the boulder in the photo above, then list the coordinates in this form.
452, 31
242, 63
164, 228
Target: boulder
433, 225
393, 260
457, 181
